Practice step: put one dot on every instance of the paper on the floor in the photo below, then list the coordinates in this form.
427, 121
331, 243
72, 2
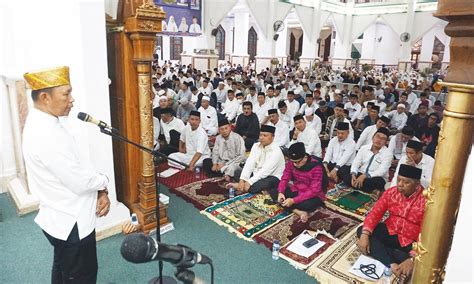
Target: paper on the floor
298, 248
367, 268
167, 173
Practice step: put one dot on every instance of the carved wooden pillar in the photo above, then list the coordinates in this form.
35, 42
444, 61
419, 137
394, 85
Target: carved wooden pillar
131, 41
454, 146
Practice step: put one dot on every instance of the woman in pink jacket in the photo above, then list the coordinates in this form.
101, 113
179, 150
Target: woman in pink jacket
302, 186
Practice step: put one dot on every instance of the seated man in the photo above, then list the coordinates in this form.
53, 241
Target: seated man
340, 153
247, 125
332, 121
285, 115
307, 191
398, 119
230, 107
313, 120
193, 147
390, 241
184, 109
416, 158
282, 131
227, 154
171, 128
398, 143
366, 136
264, 166
208, 116
307, 135
369, 170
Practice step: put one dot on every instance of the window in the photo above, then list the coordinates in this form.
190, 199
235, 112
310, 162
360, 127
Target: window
220, 42
252, 43
176, 47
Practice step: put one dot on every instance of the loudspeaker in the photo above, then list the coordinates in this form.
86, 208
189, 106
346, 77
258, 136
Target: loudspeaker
275, 37
214, 32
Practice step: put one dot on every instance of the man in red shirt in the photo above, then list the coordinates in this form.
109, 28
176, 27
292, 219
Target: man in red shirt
390, 241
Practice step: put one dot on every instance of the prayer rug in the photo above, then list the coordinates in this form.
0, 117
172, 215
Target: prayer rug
301, 262
335, 223
350, 201
180, 178
247, 214
204, 193
334, 264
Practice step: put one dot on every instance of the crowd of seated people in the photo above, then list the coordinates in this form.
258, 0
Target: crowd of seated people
285, 133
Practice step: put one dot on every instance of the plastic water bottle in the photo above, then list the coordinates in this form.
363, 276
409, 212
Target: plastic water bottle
197, 172
276, 250
231, 192
387, 275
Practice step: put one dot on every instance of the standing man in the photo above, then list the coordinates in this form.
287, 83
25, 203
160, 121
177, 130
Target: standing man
71, 195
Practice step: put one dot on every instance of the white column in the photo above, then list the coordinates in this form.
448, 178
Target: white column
368, 44
447, 54
405, 54
342, 50
166, 48
426, 50
266, 44
310, 38
241, 32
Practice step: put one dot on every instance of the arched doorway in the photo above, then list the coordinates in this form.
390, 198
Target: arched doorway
252, 43
220, 42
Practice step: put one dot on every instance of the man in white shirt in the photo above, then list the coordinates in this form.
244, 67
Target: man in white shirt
252, 96
416, 158
261, 108
398, 119
71, 195
309, 103
307, 135
292, 104
264, 166
282, 131
398, 143
193, 144
171, 127
221, 93
284, 115
369, 170
366, 136
380, 102
205, 89
208, 116
313, 120
340, 153
231, 106
412, 97
353, 107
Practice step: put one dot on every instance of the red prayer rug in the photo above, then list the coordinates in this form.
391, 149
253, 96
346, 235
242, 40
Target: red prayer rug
328, 220
203, 193
180, 178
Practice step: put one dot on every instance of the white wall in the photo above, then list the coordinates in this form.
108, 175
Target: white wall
43, 34
368, 43
386, 51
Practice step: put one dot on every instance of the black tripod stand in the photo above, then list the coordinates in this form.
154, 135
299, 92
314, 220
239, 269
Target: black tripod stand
156, 154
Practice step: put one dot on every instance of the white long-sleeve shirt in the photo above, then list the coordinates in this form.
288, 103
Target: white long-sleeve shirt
66, 188
282, 133
209, 119
311, 141
286, 118
316, 123
397, 120
366, 136
230, 108
263, 162
340, 153
426, 165
261, 111
196, 141
354, 110
398, 152
305, 106
378, 167
293, 107
252, 99
175, 124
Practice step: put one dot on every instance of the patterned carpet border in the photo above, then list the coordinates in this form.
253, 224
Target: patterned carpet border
218, 213
338, 192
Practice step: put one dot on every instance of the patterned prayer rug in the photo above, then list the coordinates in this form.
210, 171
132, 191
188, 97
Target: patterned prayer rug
301, 262
246, 214
329, 220
204, 193
334, 264
350, 201
180, 178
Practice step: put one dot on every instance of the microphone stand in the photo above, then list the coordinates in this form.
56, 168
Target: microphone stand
156, 154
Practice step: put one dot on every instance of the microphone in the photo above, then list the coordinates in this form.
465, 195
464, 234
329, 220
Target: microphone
140, 248
87, 118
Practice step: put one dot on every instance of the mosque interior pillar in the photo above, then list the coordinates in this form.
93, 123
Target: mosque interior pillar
443, 196
241, 25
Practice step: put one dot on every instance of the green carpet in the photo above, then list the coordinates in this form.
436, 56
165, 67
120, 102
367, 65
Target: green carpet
26, 255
